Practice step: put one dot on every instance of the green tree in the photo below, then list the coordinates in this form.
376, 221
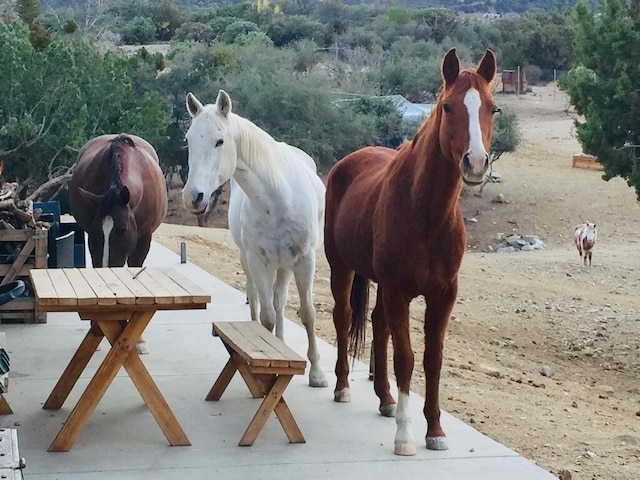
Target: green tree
138, 31
605, 86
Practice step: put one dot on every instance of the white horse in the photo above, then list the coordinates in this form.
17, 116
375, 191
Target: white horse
276, 210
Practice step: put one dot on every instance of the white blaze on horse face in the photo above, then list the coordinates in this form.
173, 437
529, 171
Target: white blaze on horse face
476, 154
107, 227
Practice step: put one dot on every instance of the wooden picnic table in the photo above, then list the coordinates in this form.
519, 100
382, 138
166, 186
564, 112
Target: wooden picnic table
120, 303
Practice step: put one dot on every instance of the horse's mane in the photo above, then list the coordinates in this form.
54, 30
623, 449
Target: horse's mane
255, 146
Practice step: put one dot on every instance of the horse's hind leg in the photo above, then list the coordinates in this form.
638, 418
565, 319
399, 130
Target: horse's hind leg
304, 282
379, 354
341, 279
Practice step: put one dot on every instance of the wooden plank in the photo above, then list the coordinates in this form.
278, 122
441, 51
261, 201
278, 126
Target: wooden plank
243, 339
43, 288
142, 294
18, 235
19, 304
23, 272
84, 293
258, 346
104, 294
160, 293
198, 295
64, 291
40, 249
123, 295
19, 262
180, 295
587, 162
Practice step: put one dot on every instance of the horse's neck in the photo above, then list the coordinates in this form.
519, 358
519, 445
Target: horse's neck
258, 171
434, 181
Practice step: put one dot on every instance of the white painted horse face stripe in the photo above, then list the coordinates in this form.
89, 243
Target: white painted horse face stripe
107, 227
476, 148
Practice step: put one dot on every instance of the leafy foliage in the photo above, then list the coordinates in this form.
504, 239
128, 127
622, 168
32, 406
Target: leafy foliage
604, 86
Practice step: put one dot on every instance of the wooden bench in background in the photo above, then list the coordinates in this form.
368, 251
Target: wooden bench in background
267, 365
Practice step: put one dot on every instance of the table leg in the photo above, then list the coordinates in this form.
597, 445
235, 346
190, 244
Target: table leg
98, 385
273, 400
75, 368
149, 391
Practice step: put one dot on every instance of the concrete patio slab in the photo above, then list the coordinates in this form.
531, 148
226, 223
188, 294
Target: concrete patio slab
123, 441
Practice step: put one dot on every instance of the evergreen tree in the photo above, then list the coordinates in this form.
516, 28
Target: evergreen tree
605, 86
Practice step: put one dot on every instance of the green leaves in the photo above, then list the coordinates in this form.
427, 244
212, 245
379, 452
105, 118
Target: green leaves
603, 85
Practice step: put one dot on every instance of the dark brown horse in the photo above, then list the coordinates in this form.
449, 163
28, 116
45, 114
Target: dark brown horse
393, 217
117, 194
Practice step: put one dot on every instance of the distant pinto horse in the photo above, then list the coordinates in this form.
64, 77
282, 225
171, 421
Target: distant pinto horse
393, 217
584, 236
118, 195
276, 210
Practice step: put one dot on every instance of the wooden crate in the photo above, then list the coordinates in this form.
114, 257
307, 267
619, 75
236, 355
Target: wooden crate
30, 246
589, 162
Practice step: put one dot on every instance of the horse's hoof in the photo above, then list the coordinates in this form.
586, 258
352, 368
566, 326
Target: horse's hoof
405, 449
342, 396
319, 381
317, 378
437, 443
142, 348
388, 410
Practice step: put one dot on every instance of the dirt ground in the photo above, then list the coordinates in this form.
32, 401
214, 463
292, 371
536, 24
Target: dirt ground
519, 312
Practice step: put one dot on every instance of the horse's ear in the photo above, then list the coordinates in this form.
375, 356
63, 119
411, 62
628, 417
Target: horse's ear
223, 102
125, 195
194, 107
450, 67
487, 66
90, 196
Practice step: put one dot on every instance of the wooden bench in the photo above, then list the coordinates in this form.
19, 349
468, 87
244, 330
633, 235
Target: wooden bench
5, 408
267, 365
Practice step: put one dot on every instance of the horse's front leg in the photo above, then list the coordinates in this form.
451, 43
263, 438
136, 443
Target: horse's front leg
396, 313
341, 279
262, 278
280, 291
439, 307
304, 282
379, 348
252, 293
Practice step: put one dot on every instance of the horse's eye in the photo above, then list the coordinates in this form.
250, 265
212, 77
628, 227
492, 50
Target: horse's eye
495, 110
446, 107
219, 142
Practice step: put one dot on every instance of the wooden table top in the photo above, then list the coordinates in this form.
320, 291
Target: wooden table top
122, 288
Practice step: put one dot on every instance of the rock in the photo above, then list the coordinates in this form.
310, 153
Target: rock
628, 439
546, 371
564, 475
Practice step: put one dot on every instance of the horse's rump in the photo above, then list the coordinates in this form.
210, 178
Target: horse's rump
118, 178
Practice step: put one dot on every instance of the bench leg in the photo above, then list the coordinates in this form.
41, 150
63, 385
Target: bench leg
273, 401
75, 368
235, 363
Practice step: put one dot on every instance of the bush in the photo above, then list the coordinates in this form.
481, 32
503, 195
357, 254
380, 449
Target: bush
138, 31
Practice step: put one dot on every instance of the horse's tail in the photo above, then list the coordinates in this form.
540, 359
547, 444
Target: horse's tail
359, 305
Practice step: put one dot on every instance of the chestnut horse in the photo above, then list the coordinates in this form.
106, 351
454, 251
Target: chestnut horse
118, 195
393, 217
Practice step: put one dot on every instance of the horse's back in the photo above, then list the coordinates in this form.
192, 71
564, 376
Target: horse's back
353, 189
141, 174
